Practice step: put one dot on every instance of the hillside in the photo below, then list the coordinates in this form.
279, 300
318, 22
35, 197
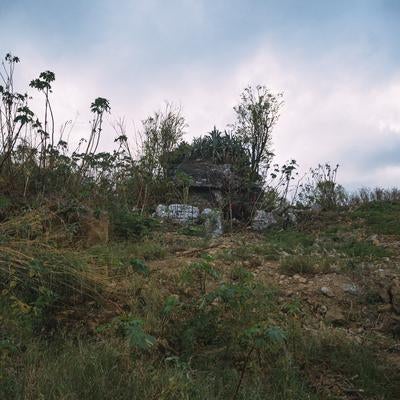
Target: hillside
307, 312
173, 269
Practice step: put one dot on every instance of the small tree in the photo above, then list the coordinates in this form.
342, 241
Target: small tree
98, 108
43, 84
257, 114
14, 111
322, 190
163, 132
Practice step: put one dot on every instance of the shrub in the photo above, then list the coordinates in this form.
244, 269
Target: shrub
297, 264
130, 224
359, 249
322, 190
41, 281
289, 240
199, 272
381, 217
139, 266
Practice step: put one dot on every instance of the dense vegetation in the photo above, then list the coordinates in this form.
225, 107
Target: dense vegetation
302, 311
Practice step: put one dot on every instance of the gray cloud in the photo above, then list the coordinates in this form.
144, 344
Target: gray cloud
337, 69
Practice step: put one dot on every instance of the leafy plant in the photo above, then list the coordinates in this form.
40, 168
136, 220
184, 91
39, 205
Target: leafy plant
221, 148
140, 267
298, 264
322, 190
200, 272
131, 224
258, 337
136, 336
162, 134
257, 114
170, 304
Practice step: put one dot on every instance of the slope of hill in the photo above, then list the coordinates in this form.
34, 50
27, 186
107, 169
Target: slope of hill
309, 312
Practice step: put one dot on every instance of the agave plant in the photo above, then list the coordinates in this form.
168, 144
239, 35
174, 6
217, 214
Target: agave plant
220, 148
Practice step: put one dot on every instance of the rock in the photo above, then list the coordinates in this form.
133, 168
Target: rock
326, 291
334, 268
219, 198
374, 240
335, 316
350, 288
291, 217
384, 307
183, 213
384, 294
180, 213
205, 174
262, 220
286, 215
316, 208
212, 221
303, 280
95, 230
380, 271
161, 211
394, 292
323, 309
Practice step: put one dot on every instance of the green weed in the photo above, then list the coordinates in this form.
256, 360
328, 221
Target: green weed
298, 264
380, 217
362, 249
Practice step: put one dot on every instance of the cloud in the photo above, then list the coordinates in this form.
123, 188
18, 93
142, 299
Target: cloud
340, 116
341, 97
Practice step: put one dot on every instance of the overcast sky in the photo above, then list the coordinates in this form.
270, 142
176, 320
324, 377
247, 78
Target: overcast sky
337, 63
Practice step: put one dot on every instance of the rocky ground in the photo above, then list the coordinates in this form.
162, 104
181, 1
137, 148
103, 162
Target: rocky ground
309, 311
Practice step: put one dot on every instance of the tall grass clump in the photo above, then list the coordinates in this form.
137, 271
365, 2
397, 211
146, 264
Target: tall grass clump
39, 277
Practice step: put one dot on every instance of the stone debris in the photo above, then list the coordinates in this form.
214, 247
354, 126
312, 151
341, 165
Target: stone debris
263, 220
180, 213
161, 211
335, 316
326, 291
350, 288
323, 309
212, 221
94, 230
186, 214
394, 293
374, 240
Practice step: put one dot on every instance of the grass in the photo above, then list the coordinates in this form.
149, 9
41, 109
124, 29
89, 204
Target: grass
358, 366
117, 254
83, 368
90, 370
379, 217
271, 248
42, 281
219, 334
306, 264
289, 240
193, 230
363, 250
298, 264
249, 253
